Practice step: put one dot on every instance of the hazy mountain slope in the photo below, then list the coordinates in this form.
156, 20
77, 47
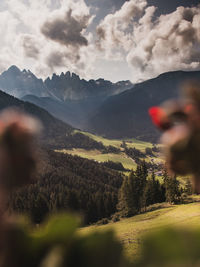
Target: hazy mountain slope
53, 128
19, 83
65, 96
74, 112
126, 114
56, 134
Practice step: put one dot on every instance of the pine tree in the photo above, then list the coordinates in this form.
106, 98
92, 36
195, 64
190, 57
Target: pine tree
172, 192
130, 193
153, 192
188, 187
149, 194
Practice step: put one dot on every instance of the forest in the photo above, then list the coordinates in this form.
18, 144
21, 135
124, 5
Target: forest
94, 190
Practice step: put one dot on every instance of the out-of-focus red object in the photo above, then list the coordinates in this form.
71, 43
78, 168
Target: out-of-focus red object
159, 118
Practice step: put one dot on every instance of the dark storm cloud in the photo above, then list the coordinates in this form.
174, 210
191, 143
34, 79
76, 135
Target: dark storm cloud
55, 59
59, 59
67, 30
30, 47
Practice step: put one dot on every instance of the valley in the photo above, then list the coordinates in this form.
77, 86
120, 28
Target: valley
100, 133
120, 155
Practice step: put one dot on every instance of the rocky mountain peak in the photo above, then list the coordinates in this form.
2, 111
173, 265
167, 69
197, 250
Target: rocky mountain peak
13, 70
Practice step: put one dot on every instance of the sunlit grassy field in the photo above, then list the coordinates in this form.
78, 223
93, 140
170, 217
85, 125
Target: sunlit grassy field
131, 230
96, 155
127, 162
117, 142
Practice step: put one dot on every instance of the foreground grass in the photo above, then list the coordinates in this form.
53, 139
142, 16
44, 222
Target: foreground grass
131, 230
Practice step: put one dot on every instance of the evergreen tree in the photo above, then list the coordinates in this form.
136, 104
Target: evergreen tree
141, 174
153, 192
149, 195
39, 209
130, 193
172, 192
188, 187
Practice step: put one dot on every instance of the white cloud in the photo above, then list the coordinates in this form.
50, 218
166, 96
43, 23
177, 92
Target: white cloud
115, 31
133, 34
25, 45
152, 45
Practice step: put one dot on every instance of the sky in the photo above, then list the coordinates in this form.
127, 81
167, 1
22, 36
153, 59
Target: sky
111, 39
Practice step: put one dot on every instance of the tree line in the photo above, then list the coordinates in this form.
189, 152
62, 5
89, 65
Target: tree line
96, 190
139, 191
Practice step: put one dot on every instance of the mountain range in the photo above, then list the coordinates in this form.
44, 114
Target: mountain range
114, 110
65, 96
126, 114
61, 87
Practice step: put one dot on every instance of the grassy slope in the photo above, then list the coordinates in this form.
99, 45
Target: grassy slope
117, 143
131, 230
127, 162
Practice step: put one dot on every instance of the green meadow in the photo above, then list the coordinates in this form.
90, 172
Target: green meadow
117, 142
130, 231
98, 156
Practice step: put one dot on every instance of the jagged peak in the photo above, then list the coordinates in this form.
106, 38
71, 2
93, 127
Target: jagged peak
68, 74
74, 75
13, 69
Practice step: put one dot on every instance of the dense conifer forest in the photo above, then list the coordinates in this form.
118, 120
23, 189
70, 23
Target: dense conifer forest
95, 190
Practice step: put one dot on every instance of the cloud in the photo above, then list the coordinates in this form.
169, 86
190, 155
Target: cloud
152, 45
115, 31
67, 30
64, 43
170, 43
30, 46
57, 35
106, 4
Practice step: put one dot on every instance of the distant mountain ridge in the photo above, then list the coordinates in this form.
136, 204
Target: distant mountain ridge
17, 83
65, 96
62, 87
69, 86
117, 110
126, 114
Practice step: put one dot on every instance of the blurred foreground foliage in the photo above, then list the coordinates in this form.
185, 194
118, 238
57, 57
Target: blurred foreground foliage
171, 247
58, 243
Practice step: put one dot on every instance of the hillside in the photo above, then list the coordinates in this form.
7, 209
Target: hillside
130, 231
65, 96
126, 115
56, 134
74, 112
113, 110
67, 183
114, 150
